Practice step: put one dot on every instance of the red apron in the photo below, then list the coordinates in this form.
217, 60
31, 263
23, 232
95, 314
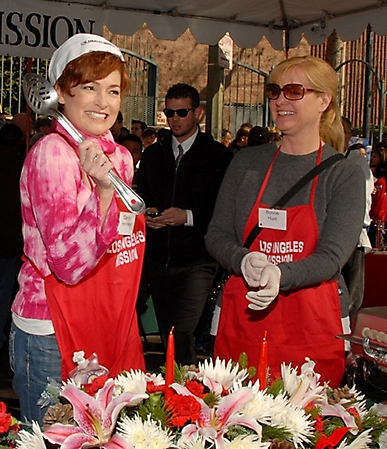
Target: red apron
98, 315
299, 323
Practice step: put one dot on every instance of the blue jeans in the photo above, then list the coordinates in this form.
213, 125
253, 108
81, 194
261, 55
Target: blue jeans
35, 360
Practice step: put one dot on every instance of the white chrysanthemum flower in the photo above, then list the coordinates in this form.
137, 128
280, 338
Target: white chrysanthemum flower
279, 404
193, 441
361, 442
246, 442
157, 379
260, 406
144, 434
361, 402
130, 382
28, 440
292, 419
218, 375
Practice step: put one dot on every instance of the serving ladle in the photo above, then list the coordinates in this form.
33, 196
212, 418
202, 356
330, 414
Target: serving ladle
42, 98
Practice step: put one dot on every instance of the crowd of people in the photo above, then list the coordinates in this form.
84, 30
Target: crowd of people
90, 264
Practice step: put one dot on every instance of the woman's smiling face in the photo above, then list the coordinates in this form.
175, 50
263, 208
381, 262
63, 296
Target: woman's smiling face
293, 116
93, 107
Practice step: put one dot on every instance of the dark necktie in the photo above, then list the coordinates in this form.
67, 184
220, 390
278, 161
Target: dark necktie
179, 156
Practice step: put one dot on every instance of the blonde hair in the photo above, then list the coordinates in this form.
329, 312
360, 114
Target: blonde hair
324, 80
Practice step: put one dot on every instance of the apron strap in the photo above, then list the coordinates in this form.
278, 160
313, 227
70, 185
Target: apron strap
293, 190
308, 177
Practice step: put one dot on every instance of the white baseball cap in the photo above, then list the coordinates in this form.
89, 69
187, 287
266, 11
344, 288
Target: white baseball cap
76, 46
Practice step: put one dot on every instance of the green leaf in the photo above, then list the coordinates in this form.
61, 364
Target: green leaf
270, 433
276, 388
155, 408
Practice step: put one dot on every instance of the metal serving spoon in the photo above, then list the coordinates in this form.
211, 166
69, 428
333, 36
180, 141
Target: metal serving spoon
43, 99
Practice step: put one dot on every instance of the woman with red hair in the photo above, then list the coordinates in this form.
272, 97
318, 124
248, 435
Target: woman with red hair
83, 248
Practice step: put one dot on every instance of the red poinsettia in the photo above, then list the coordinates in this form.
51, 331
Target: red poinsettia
5, 418
184, 409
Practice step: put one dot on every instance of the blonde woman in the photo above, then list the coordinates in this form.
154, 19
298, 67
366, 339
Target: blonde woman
288, 282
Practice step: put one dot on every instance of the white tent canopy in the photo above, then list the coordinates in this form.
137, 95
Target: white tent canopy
248, 21
37, 28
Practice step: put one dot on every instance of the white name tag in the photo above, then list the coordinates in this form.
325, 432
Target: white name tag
126, 223
272, 219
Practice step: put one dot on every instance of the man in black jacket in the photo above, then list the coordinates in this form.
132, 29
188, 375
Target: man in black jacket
179, 180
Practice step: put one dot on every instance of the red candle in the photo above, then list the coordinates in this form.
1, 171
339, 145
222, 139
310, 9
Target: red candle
262, 365
170, 364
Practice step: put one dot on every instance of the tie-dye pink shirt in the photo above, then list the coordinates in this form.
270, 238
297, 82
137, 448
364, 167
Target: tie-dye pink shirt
61, 217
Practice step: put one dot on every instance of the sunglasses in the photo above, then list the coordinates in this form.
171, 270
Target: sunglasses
291, 91
169, 113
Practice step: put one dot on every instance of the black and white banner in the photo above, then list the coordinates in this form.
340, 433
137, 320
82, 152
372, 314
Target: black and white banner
36, 28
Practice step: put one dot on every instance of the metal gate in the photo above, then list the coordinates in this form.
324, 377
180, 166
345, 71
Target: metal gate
13, 70
140, 103
244, 95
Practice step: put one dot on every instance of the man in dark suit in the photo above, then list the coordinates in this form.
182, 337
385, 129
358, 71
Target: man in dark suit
179, 179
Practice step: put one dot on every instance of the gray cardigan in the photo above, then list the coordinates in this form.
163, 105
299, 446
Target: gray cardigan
339, 206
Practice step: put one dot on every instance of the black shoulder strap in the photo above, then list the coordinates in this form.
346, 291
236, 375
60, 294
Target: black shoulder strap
308, 177
293, 190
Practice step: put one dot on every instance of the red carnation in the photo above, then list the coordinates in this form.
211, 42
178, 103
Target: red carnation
184, 409
195, 388
5, 418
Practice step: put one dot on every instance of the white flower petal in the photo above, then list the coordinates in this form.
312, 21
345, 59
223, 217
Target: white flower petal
130, 381
246, 442
220, 374
144, 434
28, 440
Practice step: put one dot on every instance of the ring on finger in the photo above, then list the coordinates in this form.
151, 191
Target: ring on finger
95, 158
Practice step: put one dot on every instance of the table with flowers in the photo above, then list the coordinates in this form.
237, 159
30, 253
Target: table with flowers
215, 405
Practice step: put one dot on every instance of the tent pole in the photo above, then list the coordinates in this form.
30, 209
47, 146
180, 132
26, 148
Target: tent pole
287, 43
215, 94
368, 82
28, 111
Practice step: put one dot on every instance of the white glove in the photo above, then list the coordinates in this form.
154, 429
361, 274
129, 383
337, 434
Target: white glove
251, 267
270, 281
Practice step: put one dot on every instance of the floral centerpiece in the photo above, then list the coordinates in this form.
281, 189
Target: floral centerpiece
216, 405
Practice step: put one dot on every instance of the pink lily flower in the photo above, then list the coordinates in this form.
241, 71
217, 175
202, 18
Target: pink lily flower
213, 423
341, 412
96, 419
